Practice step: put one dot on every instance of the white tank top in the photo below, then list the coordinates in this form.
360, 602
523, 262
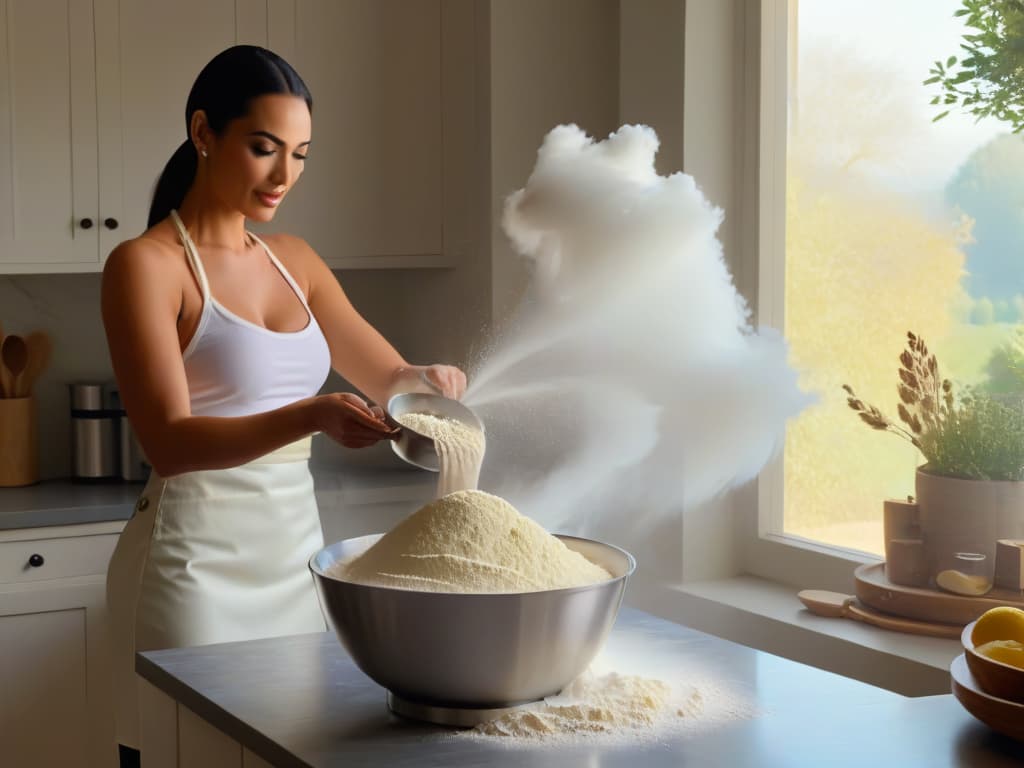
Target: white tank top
235, 367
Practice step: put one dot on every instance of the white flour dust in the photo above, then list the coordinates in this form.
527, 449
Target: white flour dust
460, 449
629, 385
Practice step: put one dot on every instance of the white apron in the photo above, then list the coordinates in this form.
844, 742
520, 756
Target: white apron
213, 556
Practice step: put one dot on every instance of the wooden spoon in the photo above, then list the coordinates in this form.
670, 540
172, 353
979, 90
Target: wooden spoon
39, 349
14, 355
3, 368
837, 605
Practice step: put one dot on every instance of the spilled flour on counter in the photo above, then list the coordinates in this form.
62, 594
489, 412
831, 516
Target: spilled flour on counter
591, 705
460, 449
471, 542
614, 708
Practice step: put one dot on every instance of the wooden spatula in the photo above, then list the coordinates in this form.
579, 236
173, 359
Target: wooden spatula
837, 605
40, 348
14, 356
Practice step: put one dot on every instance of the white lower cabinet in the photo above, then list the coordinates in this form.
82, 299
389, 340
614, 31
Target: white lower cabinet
56, 692
55, 684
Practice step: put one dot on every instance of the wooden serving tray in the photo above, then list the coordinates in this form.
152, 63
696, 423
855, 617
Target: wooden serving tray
876, 591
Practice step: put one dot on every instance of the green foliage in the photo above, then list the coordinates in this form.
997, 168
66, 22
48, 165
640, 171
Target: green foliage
981, 439
988, 78
1005, 368
978, 436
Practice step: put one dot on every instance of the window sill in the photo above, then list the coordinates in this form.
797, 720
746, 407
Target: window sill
768, 616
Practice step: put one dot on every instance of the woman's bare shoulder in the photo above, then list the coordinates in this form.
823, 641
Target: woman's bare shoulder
297, 256
153, 249
152, 257
286, 246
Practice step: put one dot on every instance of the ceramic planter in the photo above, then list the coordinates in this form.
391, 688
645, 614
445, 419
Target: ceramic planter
964, 516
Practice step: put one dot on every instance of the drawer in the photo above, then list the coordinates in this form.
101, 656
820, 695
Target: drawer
38, 559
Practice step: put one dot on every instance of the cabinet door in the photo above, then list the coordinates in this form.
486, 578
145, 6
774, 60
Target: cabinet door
149, 53
47, 136
372, 193
55, 707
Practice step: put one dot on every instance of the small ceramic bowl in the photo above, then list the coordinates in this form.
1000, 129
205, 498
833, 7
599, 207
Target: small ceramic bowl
994, 677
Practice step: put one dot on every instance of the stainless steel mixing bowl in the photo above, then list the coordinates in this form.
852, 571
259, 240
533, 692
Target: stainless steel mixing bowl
418, 449
472, 651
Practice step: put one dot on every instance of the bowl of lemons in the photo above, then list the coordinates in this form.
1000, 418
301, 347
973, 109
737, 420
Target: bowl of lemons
994, 652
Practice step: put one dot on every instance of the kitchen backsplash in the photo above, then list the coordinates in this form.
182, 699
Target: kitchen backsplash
67, 307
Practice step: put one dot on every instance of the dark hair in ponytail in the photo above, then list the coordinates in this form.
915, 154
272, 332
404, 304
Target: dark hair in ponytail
223, 90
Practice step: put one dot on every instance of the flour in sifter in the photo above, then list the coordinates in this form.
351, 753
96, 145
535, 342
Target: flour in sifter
460, 449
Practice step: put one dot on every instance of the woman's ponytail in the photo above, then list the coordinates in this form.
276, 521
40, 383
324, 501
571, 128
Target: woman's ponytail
174, 182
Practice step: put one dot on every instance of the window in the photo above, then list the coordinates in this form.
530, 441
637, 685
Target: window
894, 222
856, 218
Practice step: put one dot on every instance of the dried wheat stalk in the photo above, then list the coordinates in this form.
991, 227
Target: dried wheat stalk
926, 399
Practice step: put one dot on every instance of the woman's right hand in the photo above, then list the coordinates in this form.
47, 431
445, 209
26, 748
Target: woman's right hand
350, 420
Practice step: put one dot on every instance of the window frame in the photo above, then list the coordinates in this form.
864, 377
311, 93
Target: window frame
748, 179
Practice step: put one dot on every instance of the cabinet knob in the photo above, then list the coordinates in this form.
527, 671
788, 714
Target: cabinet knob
85, 223
36, 560
110, 223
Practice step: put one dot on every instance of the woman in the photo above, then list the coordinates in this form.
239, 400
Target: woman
220, 341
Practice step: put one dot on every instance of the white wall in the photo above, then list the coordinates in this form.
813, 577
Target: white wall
551, 63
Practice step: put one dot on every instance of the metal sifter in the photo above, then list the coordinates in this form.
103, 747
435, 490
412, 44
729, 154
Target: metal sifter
414, 447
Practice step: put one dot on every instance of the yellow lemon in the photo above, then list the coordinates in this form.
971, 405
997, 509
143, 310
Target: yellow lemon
1002, 623
1007, 651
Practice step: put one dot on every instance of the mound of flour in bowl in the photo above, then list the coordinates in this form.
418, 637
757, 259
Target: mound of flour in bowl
471, 542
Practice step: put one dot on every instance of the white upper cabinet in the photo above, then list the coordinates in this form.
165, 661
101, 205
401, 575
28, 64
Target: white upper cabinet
372, 189
48, 144
92, 105
150, 54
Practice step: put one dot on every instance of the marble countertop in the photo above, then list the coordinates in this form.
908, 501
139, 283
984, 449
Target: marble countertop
63, 502
301, 701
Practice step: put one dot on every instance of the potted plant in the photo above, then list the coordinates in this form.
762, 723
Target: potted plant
970, 490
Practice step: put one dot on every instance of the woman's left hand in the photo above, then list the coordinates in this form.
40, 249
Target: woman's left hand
446, 379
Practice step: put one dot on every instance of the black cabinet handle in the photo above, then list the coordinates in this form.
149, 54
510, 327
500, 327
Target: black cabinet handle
36, 560
110, 223
85, 223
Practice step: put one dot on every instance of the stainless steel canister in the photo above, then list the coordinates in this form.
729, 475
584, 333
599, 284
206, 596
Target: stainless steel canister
134, 467
94, 449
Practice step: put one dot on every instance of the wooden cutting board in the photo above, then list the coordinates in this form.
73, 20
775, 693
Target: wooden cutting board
838, 605
876, 591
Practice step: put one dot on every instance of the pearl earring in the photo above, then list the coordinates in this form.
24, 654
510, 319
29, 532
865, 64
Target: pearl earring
202, 152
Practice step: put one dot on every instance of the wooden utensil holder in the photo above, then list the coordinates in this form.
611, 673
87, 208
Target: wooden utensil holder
19, 449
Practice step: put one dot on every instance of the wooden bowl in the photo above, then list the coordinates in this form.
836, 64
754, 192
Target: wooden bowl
996, 678
1006, 717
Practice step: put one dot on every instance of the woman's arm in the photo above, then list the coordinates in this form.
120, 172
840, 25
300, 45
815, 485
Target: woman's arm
141, 298
358, 351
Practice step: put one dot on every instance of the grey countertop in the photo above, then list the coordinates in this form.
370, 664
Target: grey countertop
63, 502
300, 701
